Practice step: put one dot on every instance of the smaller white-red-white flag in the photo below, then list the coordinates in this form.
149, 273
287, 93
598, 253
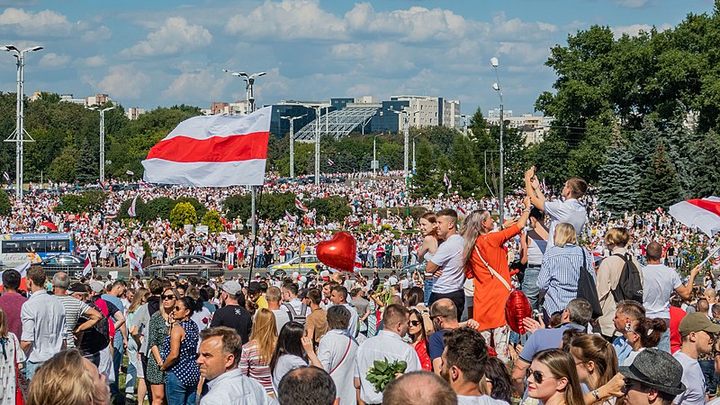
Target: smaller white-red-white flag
88, 267
289, 217
132, 211
134, 262
299, 205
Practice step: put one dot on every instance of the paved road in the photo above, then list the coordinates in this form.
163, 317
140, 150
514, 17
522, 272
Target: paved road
124, 271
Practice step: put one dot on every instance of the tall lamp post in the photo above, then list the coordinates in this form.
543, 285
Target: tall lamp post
18, 136
317, 142
250, 98
405, 115
496, 86
102, 141
292, 142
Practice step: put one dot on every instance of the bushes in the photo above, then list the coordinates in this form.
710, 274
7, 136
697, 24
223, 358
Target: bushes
183, 214
334, 208
5, 206
88, 201
212, 220
158, 208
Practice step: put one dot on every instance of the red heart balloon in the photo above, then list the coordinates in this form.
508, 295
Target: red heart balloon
338, 252
517, 308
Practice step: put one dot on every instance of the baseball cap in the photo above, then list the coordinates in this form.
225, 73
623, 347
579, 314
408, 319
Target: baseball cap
656, 369
96, 286
696, 322
232, 287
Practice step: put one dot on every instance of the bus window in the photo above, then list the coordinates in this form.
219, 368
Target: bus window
37, 246
10, 246
58, 246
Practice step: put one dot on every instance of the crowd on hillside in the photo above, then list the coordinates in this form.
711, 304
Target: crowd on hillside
558, 305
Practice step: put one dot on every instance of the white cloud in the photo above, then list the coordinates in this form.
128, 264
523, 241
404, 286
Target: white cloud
51, 59
632, 3
289, 19
93, 61
124, 81
42, 23
634, 29
101, 33
189, 84
174, 36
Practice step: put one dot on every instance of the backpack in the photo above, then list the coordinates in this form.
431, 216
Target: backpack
299, 318
96, 338
586, 288
630, 285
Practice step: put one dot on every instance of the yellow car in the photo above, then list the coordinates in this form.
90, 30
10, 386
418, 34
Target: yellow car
302, 264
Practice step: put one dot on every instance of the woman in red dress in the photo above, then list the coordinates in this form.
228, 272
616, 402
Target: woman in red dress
416, 330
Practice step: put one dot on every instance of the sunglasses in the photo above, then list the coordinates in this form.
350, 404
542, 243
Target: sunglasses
414, 323
177, 308
168, 297
536, 375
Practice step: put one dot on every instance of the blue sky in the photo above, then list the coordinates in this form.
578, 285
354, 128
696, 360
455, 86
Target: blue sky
163, 52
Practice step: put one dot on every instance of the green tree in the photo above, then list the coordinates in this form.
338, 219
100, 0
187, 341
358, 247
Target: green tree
212, 220
93, 200
64, 167
199, 207
465, 174
71, 203
159, 208
5, 206
237, 206
333, 208
183, 214
86, 172
619, 178
706, 164
660, 185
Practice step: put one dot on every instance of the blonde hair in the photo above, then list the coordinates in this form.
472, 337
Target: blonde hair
472, 228
51, 384
3, 324
564, 235
598, 350
141, 294
562, 365
617, 237
264, 333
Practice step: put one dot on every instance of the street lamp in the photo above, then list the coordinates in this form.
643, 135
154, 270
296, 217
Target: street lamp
102, 141
292, 142
317, 142
406, 147
250, 98
496, 86
18, 136
249, 83
374, 161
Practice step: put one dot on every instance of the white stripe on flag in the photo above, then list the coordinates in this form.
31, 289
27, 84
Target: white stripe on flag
203, 127
696, 217
205, 174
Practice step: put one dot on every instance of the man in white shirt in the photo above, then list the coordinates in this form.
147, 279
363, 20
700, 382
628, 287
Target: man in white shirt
338, 296
44, 327
218, 359
463, 366
696, 330
273, 297
568, 211
659, 282
386, 346
448, 262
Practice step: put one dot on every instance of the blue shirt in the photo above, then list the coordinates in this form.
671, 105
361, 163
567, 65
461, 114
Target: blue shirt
115, 301
436, 344
544, 339
622, 348
560, 274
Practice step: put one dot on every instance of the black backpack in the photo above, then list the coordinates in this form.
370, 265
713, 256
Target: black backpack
301, 317
96, 338
630, 285
587, 288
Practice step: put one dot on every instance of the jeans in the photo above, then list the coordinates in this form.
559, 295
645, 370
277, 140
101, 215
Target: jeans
711, 379
427, 287
176, 393
529, 286
118, 351
457, 297
664, 343
31, 368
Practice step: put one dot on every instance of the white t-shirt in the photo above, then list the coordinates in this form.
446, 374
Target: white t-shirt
569, 211
285, 364
693, 379
659, 281
449, 257
281, 318
481, 400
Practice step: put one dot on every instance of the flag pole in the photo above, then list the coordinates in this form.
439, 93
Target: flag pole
254, 232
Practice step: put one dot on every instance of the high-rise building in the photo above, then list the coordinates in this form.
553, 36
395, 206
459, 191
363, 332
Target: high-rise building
533, 127
133, 113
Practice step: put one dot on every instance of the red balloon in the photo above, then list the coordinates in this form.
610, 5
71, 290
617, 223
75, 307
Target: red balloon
517, 308
230, 267
338, 252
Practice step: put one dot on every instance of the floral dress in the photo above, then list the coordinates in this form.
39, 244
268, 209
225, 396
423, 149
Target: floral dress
158, 331
9, 349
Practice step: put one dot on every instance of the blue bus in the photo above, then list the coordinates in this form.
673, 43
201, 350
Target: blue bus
19, 248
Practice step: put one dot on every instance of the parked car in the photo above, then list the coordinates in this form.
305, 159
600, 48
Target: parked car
302, 264
70, 264
188, 265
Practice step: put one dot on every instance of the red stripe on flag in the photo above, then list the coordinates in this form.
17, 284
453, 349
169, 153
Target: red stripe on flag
708, 205
215, 149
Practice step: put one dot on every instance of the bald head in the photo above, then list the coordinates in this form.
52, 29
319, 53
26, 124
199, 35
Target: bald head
444, 308
419, 388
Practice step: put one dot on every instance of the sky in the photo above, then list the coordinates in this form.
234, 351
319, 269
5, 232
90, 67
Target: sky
166, 52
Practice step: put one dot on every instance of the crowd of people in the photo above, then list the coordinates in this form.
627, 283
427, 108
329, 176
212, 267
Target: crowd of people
610, 319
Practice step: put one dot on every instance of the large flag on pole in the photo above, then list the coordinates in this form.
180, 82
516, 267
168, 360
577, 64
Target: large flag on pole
87, 267
703, 214
212, 151
134, 262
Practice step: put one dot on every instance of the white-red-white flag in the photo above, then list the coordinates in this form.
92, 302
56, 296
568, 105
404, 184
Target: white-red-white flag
212, 151
88, 267
299, 205
131, 210
134, 262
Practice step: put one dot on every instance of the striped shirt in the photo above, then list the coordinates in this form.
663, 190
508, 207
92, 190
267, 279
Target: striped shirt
560, 274
252, 366
74, 309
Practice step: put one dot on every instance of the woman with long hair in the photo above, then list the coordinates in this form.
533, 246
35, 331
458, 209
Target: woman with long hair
289, 353
560, 271
413, 299
416, 331
428, 229
533, 244
258, 351
11, 360
135, 368
487, 264
641, 334
497, 380
552, 378
68, 379
596, 364
180, 352
158, 329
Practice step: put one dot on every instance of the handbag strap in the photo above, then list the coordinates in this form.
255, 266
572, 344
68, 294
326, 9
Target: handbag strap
347, 350
492, 271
